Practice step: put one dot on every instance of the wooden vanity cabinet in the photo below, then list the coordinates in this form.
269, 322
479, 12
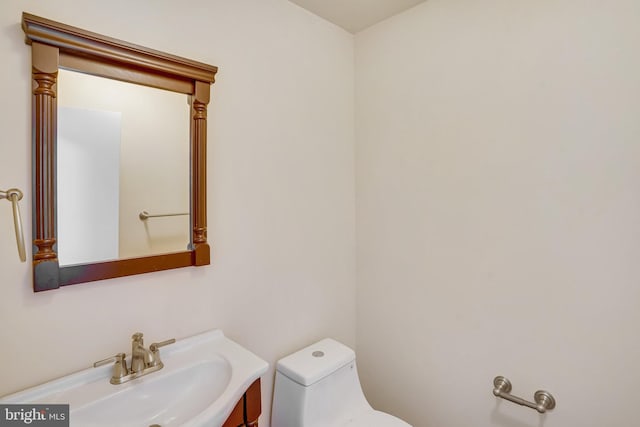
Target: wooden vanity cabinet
248, 408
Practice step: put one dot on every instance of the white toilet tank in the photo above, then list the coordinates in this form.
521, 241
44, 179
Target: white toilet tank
318, 386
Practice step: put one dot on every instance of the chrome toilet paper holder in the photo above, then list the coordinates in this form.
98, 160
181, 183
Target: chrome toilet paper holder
544, 401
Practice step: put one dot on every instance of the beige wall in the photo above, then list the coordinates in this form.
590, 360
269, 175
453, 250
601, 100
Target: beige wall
280, 191
498, 208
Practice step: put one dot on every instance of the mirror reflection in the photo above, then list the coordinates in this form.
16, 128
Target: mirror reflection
122, 149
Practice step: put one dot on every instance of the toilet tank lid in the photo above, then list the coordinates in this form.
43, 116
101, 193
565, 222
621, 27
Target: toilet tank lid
313, 363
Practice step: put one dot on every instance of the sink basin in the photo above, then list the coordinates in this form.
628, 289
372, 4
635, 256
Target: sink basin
203, 378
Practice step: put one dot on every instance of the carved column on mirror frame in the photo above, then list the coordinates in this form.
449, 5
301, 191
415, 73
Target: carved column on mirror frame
45, 73
199, 101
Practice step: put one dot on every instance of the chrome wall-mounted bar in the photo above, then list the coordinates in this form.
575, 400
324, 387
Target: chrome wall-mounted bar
14, 195
544, 401
145, 215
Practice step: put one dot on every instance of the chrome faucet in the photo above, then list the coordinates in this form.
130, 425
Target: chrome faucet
143, 361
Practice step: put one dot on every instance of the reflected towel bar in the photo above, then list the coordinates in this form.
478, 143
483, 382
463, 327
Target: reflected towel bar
145, 215
544, 401
14, 195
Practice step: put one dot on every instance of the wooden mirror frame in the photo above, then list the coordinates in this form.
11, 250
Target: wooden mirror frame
55, 45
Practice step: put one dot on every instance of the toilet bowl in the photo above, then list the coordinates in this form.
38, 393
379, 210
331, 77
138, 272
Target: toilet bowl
318, 386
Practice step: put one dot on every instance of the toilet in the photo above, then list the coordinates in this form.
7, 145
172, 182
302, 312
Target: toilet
318, 386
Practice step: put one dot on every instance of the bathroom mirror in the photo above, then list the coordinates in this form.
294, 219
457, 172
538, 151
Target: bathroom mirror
105, 136
58, 49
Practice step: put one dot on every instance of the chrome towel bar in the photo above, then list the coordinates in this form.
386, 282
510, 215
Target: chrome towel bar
145, 215
544, 401
14, 195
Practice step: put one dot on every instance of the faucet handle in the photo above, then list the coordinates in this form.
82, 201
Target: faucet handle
156, 345
117, 358
156, 352
137, 336
119, 368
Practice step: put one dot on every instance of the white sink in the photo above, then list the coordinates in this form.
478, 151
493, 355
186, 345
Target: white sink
203, 378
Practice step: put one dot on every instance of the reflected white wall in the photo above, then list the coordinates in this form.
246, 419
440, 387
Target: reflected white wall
88, 184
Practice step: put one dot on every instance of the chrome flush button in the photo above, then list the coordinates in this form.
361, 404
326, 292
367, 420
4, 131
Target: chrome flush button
318, 353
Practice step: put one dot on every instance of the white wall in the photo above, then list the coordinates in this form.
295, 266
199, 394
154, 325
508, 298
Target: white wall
498, 211
280, 191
